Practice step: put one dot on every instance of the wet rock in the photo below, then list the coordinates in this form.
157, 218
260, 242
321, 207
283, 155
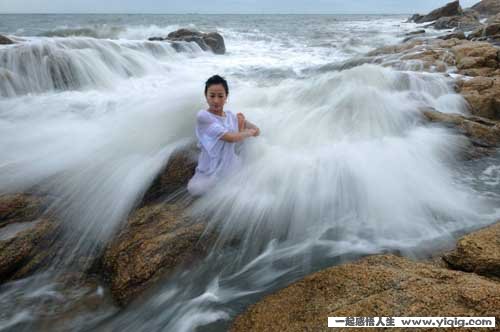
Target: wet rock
483, 95
17, 208
5, 41
478, 252
207, 41
380, 285
474, 55
493, 19
482, 132
457, 35
485, 32
450, 9
25, 235
179, 169
487, 7
416, 32
415, 18
157, 240
462, 22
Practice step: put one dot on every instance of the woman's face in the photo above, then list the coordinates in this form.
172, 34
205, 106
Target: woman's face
216, 97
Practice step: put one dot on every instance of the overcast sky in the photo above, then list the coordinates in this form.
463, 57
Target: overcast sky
224, 6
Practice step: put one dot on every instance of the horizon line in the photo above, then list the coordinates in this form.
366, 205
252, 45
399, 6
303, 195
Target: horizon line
195, 13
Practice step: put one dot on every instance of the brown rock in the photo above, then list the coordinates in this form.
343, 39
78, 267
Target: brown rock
494, 19
487, 7
481, 131
19, 208
463, 22
380, 285
179, 169
478, 252
207, 41
475, 54
157, 239
25, 235
483, 96
457, 35
450, 9
5, 41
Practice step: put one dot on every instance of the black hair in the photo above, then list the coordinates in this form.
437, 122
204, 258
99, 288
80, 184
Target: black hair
216, 79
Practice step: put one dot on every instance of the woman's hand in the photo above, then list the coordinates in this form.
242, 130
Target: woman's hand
241, 121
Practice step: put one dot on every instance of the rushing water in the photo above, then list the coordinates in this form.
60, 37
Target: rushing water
345, 165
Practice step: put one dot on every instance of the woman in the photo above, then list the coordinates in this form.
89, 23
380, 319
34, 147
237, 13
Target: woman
217, 132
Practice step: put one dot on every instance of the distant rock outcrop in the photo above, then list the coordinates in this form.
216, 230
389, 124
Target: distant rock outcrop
5, 41
207, 41
450, 9
487, 7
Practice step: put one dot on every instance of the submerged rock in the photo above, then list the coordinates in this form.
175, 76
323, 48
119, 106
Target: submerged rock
179, 169
478, 252
5, 41
450, 9
25, 235
207, 41
457, 35
156, 240
380, 285
482, 132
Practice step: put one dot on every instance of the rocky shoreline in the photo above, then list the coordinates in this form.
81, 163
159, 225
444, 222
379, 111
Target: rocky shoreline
158, 237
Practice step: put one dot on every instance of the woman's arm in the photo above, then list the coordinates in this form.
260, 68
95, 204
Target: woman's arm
239, 136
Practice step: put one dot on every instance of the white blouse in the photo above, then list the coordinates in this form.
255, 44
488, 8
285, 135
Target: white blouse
217, 158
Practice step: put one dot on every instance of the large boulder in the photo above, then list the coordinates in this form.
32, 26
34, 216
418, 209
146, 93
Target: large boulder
179, 169
478, 252
380, 285
450, 9
5, 41
207, 41
475, 55
483, 95
461, 22
481, 131
487, 7
26, 235
156, 240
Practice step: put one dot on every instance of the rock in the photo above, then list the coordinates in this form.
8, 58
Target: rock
379, 285
475, 55
179, 169
478, 252
450, 9
5, 41
490, 30
416, 32
156, 240
483, 96
482, 132
415, 18
462, 22
207, 41
395, 48
487, 7
493, 19
25, 235
19, 208
457, 35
